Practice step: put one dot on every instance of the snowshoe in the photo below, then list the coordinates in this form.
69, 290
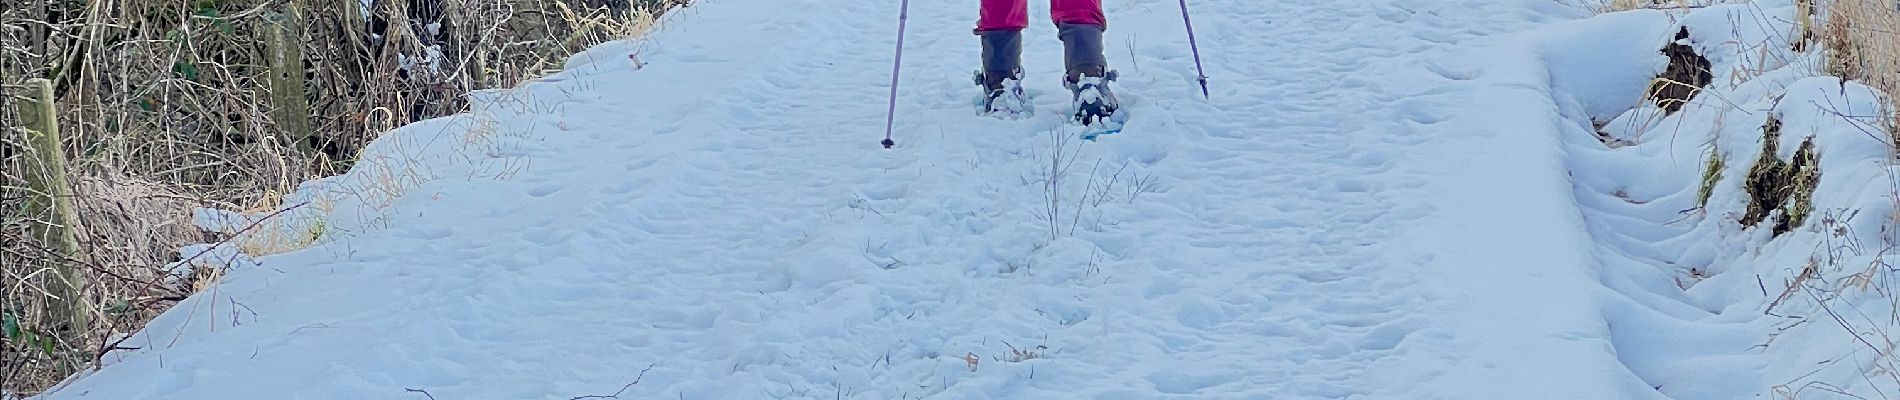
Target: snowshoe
1003, 95
1096, 107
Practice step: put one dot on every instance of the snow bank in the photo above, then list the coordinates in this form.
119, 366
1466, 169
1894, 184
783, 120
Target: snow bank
1711, 300
1340, 220
403, 170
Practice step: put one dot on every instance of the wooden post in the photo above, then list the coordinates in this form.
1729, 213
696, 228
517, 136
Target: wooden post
283, 48
49, 201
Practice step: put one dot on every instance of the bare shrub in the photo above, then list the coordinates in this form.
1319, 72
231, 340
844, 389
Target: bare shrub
167, 106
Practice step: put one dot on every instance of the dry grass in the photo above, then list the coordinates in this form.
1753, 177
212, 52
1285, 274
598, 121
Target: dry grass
1861, 42
1784, 188
1603, 6
1711, 175
1862, 39
164, 108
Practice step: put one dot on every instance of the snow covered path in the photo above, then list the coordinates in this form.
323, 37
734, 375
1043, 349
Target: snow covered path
1346, 218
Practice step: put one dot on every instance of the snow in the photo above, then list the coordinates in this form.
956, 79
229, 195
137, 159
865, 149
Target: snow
1386, 199
1703, 306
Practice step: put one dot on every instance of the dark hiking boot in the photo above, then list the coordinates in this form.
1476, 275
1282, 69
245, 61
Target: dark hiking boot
1003, 92
1002, 72
1088, 75
1094, 101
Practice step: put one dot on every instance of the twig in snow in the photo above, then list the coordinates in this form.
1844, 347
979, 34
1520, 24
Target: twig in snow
214, 246
240, 232
623, 389
1878, 352
311, 326
99, 359
1132, 59
1870, 129
424, 393
235, 305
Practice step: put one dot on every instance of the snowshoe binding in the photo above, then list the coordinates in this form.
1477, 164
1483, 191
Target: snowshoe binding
1095, 105
1003, 94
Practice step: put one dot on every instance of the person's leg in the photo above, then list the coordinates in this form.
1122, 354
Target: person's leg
1003, 15
1080, 24
1084, 12
1000, 27
1083, 53
1002, 53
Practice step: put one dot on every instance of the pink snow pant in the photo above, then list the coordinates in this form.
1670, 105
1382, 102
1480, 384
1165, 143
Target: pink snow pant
999, 15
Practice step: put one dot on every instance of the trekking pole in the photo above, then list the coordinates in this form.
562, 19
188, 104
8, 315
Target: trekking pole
890, 116
1191, 44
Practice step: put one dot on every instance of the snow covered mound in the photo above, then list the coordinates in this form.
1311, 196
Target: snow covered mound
1375, 203
1747, 233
